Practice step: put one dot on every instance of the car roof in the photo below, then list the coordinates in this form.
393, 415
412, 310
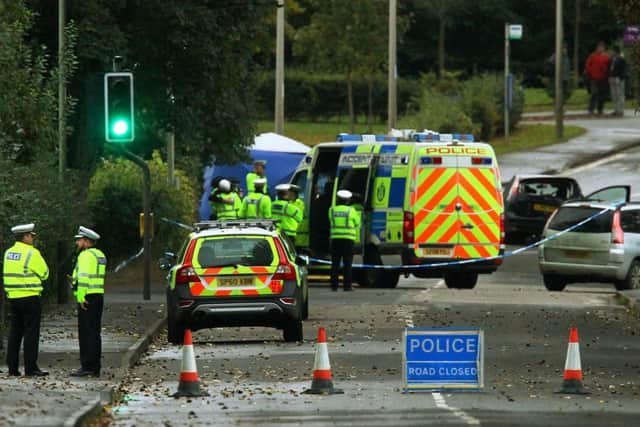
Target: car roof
234, 231
541, 176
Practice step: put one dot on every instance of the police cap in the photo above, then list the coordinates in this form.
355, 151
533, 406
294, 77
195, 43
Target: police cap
86, 233
23, 228
263, 163
283, 187
259, 181
344, 194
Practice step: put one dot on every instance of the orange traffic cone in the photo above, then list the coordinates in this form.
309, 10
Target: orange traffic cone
322, 382
189, 381
572, 383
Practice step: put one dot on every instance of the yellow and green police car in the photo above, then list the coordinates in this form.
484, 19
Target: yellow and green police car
236, 273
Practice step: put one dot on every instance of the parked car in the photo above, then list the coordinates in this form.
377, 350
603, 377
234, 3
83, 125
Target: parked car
529, 200
236, 273
603, 249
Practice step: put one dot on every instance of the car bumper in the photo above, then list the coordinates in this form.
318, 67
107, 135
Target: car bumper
521, 224
584, 272
481, 267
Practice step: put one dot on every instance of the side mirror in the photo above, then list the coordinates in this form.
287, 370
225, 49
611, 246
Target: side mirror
302, 260
167, 261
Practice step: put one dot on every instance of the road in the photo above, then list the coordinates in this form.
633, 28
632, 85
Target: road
255, 379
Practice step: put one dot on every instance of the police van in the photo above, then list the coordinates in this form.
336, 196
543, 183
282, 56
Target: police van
426, 198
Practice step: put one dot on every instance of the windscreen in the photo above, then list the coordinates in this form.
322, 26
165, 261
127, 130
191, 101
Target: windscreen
568, 216
246, 251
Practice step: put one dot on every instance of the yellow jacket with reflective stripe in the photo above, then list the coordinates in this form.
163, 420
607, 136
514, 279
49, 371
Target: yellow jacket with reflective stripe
89, 273
255, 205
24, 270
252, 176
228, 210
289, 215
345, 222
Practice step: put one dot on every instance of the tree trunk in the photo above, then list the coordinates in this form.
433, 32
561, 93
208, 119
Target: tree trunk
352, 116
576, 43
441, 36
369, 104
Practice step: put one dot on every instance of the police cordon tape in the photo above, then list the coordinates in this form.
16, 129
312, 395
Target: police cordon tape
450, 263
128, 261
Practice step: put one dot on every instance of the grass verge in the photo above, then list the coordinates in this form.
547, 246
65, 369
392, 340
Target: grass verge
537, 99
312, 133
531, 136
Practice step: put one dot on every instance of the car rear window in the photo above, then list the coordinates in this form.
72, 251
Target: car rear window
562, 189
568, 216
249, 251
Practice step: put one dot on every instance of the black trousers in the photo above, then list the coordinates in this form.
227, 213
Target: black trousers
89, 325
25, 323
598, 95
341, 249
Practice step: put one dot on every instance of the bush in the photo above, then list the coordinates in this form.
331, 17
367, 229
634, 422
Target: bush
115, 199
440, 113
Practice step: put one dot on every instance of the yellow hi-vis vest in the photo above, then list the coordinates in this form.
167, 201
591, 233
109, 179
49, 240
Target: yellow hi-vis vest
252, 176
289, 215
89, 273
345, 222
255, 205
226, 210
24, 270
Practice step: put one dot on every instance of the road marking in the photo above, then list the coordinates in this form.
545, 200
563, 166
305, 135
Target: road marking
594, 164
442, 404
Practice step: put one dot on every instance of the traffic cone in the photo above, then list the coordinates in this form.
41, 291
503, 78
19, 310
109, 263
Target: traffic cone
322, 382
572, 383
189, 381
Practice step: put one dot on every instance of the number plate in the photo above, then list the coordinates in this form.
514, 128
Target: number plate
441, 252
543, 208
229, 282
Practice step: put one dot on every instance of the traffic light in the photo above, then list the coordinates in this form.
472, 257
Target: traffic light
119, 125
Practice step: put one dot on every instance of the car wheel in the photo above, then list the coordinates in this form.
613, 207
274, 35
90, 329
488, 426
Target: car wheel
632, 281
554, 283
461, 280
175, 330
292, 332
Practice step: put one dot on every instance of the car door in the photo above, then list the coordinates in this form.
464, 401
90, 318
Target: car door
612, 194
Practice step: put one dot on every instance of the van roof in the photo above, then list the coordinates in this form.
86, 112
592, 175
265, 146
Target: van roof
417, 144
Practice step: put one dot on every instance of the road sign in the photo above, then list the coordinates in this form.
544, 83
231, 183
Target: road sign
515, 32
443, 358
631, 35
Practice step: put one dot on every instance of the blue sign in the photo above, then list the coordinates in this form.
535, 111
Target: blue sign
443, 358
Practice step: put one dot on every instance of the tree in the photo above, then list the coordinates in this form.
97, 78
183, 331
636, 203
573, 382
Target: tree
442, 9
345, 36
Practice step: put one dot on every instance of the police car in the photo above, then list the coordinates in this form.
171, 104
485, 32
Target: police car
426, 199
236, 273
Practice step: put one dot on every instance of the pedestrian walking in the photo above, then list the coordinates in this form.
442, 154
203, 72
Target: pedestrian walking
617, 77
259, 167
256, 204
88, 277
596, 69
345, 225
23, 272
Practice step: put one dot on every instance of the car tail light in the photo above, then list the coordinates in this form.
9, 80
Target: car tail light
514, 190
185, 303
617, 234
186, 274
288, 301
498, 261
285, 270
408, 227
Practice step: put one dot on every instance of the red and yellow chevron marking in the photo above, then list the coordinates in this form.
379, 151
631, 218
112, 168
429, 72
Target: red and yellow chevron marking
474, 229
209, 282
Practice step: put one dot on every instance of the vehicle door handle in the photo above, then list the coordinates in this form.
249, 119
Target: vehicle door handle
467, 226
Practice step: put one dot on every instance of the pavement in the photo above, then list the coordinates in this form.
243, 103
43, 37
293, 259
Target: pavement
131, 323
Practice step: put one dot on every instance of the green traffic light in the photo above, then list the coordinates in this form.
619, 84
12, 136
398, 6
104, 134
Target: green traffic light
120, 127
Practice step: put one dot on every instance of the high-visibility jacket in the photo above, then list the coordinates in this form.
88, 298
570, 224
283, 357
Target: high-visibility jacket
288, 214
89, 272
252, 176
255, 205
24, 270
228, 210
345, 222
299, 204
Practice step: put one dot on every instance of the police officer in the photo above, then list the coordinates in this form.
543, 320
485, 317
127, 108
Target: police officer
24, 270
345, 225
294, 196
227, 202
88, 277
256, 204
213, 196
286, 212
258, 172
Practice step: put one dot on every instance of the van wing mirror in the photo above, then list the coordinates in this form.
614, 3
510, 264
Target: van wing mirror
167, 260
302, 260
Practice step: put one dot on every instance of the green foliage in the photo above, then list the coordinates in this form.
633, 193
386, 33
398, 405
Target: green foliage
440, 113
115, 200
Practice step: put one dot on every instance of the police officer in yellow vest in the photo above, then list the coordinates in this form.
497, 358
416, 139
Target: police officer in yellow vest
256, 204
286, 212
88, 277
345, 226
258, 172
227, 202
23, 271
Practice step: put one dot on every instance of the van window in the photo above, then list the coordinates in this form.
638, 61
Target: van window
568, 216
300, 179
630, 221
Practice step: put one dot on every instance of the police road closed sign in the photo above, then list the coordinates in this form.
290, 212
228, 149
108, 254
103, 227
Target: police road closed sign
443, 358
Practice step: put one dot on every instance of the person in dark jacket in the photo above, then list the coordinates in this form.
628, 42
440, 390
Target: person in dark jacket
617, 74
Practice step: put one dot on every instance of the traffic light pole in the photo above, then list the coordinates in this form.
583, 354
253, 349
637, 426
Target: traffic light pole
146, 202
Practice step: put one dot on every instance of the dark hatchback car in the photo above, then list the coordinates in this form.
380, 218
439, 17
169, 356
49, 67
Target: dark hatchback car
529, 200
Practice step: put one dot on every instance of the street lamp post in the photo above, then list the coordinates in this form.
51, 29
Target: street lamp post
62, 93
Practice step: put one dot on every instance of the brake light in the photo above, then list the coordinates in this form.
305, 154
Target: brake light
186, 274
617, 234
408, 227
514, 190
481, 160
189, 253
285, 270
498, 261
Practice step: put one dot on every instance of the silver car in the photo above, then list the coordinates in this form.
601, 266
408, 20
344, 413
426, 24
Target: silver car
603, 249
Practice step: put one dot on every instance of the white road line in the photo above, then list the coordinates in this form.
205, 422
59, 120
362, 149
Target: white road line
442, 404
594, 164
440, 285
